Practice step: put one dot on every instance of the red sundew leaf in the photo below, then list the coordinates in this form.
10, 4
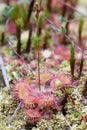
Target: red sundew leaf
55, 5
33, 115
11, 28
50, 63
19, 89
26, 94
62, 52
55, 83
29, 101
37, 104
59, 81
23, 93
45, 76
46, 100
64, 79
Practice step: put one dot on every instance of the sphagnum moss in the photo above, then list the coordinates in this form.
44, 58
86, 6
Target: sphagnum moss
7, 108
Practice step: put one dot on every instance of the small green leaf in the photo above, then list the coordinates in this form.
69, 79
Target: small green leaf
72, 51
40, 20
53, 28
13, 12
61, 19
19, 22
81, 22
76, 114
63, 30
35, 40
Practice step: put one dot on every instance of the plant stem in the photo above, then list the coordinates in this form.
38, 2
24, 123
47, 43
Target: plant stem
39, 64
39, 29
29, 39
30, 9
18, 34
49, 5
64, 9
69, 17
81, 65
2, 38
72, 59
81, 23
3, 33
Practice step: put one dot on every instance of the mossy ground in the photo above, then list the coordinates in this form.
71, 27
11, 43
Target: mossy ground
7, 108
75, 113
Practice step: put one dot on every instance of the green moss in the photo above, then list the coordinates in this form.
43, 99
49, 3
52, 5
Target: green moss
7, 108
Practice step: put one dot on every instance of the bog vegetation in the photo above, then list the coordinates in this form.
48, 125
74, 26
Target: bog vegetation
43, 65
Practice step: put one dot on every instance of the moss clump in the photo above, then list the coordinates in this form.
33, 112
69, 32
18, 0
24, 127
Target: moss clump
56, 123
7, 108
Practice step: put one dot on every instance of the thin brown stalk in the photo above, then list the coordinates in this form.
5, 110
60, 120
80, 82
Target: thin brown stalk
39, 29
64, 9
18, 35
30, 9
39, 64
2, 38
49, 2
38, 32
81, 65
29, 39
3, 33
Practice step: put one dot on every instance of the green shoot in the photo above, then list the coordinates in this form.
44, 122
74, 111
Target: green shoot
81, 23
81, 65
63, 29
72, 59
